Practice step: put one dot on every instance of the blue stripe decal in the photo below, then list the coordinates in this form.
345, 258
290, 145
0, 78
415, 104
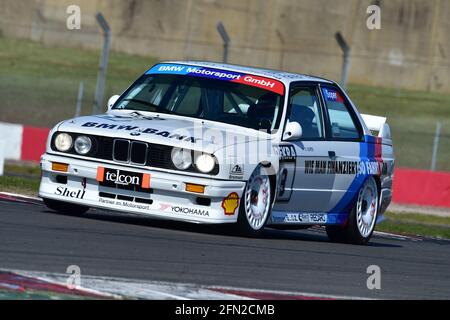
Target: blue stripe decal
366, 153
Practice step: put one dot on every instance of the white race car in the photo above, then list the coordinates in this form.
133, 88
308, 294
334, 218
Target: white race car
213, 143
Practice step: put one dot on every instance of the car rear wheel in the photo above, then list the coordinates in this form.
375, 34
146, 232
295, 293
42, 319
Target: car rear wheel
362, 219
64, 207
255, 204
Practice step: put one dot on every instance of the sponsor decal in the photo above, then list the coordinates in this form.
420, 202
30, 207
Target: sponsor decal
123, 203
319, 218
106, 176
332, 95
286, 153
166, 134
230, 204
190, 211
344, 167
236, 172
68, 193
184, 210
224, 75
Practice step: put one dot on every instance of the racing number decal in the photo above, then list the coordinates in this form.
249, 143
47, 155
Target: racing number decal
286, 174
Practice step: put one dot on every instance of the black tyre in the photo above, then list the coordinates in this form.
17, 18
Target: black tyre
362, 218
255, 205
64, 207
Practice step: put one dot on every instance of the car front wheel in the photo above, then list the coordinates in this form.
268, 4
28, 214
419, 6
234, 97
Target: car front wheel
362, 219
255, 205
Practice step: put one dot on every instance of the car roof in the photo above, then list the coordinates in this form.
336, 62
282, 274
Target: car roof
283, 76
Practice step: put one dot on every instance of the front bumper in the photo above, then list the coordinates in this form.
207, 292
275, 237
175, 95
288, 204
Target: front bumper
167, 198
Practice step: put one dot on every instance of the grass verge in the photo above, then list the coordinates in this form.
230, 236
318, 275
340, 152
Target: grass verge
416, 224
25, 186
22, 179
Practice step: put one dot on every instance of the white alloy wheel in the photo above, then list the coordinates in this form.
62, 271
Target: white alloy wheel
367, 207
257, 200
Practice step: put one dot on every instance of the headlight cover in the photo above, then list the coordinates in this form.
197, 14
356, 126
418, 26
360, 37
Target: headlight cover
181, 158
63, 142
205, 163
83, 145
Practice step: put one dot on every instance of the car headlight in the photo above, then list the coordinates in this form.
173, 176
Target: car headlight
83, 145
205, 163
181, 158
63, 142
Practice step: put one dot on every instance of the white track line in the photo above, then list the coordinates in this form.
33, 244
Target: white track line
21, 196
121, 288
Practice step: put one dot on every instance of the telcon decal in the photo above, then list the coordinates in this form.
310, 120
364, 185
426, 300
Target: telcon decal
224, 75
230, 204
115, 176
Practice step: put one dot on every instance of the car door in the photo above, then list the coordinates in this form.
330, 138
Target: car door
304, 185
344, 135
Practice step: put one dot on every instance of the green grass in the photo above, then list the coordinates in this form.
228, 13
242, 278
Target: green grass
416, 224
29, 169
22, 179
39, 85
412, 116
26, 186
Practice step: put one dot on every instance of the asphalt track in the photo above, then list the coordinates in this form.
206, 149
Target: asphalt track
104, 244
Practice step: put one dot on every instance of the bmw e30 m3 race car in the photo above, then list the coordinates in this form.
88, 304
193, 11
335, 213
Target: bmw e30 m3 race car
214, 143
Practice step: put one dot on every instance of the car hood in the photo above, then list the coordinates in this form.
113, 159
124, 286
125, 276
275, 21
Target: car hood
183, 132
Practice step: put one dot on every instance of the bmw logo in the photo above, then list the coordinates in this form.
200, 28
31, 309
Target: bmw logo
134, 134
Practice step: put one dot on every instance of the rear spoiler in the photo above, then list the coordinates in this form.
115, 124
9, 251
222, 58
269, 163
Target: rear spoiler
377, 123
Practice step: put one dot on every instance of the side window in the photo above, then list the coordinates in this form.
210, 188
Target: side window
305, 109
342, 125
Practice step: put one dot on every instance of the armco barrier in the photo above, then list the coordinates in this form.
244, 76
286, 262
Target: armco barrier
411, 186
33, 143
421, 187
22, 142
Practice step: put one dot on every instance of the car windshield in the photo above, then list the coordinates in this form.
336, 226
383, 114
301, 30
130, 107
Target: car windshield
205, 98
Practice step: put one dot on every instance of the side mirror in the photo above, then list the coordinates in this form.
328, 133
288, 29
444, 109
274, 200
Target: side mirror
112, 100
293, 131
